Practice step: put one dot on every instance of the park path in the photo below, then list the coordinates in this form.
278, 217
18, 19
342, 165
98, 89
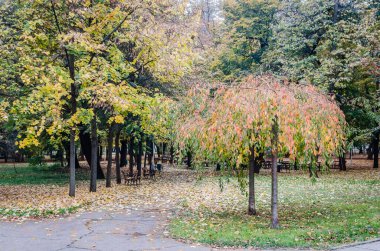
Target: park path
127, 230
373, 245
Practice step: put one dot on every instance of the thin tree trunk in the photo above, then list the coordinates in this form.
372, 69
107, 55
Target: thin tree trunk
274, 209
117, 156
251, 193
73, 102
100, 152
72, 163
376, 150
94, 154
342, 162
217, 167
171, 153
85, 142
123, 153
60, 155
258, 162
131, 146
145, 159
109, 156
152, 157
189, 159
163, 151
369, 151
139, 155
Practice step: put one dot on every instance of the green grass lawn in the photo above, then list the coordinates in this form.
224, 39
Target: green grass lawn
24, 174
339, 208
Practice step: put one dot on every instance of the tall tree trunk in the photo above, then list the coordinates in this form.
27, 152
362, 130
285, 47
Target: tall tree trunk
376, 150
109, 155
152, 156
117, 156
274, 201
164, 145
171, 153
85, 142
145, 159
73, 103
146, 155
361, 150
100, 152
369, 151
251, 193
131, 146
258, 162
94, 154
60, 155
342, 162
189, 159
217, 167
67, 150
139, 154
123, 153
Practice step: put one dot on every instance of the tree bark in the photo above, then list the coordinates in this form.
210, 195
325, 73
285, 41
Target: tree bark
151, 168
139, 154
73, 103
145, 159
369, 151
123, 153
131, 146
361, 150
163, 151
376, 150
100, 152
94, 154
342, 162
258, 161
85, 142
189, 159
274, 208
171, 153
251, 192
109, 155
217, 167
117, 156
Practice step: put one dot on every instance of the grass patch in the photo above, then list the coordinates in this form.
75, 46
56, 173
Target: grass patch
337, 209
36, 175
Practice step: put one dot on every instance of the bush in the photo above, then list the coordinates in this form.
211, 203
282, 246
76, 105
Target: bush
37, 162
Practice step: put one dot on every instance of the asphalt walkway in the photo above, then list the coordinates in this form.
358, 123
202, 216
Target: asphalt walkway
105, 231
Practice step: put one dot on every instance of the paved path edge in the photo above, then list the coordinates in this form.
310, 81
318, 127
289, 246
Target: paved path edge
356, 244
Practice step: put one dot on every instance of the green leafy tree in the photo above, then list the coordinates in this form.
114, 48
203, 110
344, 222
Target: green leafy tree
81, 58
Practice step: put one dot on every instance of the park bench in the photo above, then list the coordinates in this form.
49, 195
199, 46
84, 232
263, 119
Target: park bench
335, 164
284, 165
150, 173
267, 164
134, 179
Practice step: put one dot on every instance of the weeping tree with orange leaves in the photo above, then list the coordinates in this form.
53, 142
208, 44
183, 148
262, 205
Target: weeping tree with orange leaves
236, 123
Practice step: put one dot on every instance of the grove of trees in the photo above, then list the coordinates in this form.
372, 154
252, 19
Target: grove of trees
224, 82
